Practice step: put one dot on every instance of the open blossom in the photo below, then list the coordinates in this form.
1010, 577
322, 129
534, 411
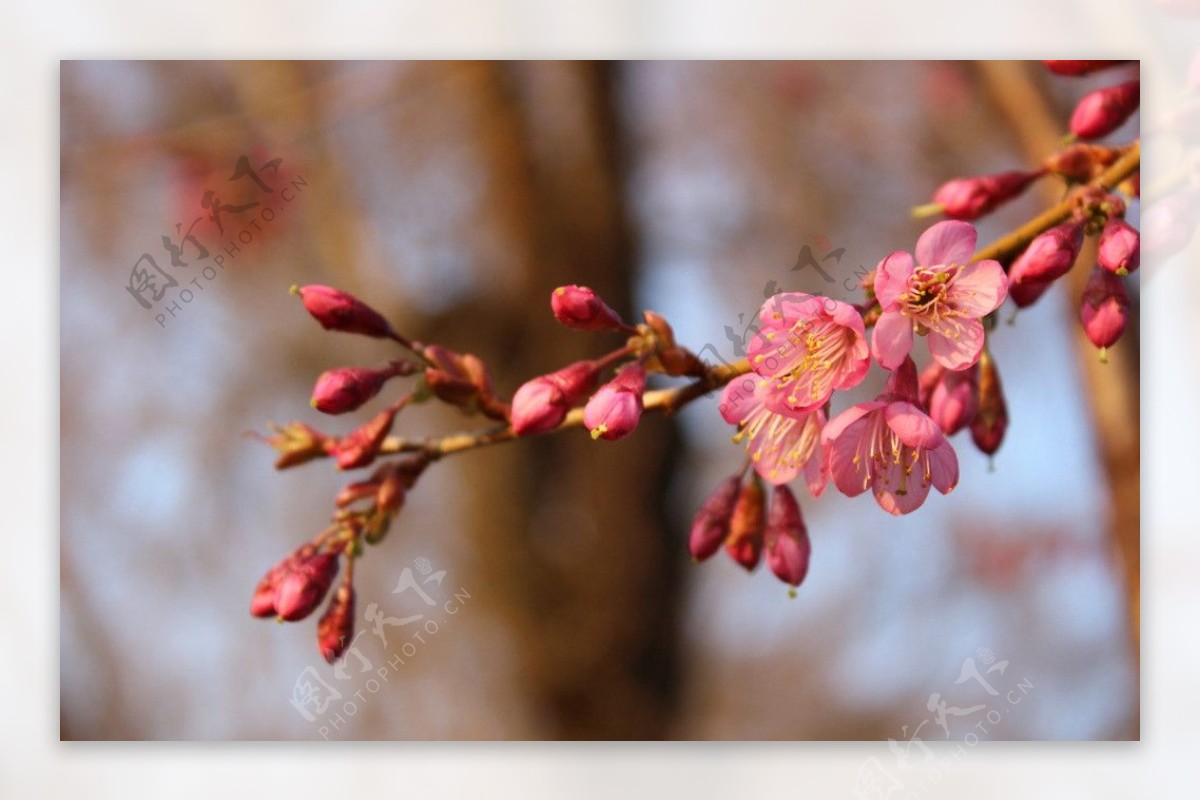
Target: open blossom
891, 447
781, 442
940, 294
807, 347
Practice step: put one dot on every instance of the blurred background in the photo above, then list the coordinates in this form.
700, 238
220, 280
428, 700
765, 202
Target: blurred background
454, 197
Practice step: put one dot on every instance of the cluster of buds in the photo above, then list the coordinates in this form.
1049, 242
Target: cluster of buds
612, 411
736, 516
364, 509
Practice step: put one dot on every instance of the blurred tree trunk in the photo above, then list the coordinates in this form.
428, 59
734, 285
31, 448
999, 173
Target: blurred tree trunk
571, 540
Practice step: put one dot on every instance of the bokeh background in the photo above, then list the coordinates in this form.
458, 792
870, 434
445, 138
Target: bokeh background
454, 196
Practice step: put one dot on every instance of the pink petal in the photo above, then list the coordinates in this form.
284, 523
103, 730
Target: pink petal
771, 468
848, 475
892, 339
845, 315
785, 308
959, 350
740, 398
891, 279
943, 467
835, 427
816, 473
912, 426
979, 288
892, 501
947, 242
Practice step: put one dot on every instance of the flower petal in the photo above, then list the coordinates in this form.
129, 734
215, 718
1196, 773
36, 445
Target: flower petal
891, 279
849, 473
959, 348
900, 502
892, 339
912, 426
835, 427
947, 242
740, 398
979, 288
943, 467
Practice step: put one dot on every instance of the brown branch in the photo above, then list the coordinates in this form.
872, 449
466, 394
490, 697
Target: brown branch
1011, 244
668, 401
672, 400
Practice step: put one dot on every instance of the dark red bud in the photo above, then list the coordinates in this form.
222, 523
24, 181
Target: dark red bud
745, 541
1101, 112
787, 544
710, 528
336, 310
335, 630
304, 585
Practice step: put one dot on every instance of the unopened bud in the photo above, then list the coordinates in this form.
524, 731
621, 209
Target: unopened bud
541, 403
345, 389
616, 407
1049, 256
787, 543
745, 541
360, 447
710, 527
1077, 68
461, 379
950, 396
969, 198
1025, 294
1104, 310
1101, 112
1081, 162
1120, 249
580, 308
336, 310
991, 421
335, 630
304, 585
263, 602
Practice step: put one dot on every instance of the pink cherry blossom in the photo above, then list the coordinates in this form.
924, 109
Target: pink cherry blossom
891, 447
781, 442
808, 346
941, 294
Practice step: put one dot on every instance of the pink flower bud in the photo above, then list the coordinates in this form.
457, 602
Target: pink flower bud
1101, 112
710, 527
263, 602
616, 407
991, 421
303, 586
1077, 68
582, 309
335, 630
902, 384
336, 310
1025, 294
1104, 310
345, 389
950, 396
969, 198
1120, 247
360, 447
745, 541
1049, 256
787, 543
541, 403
